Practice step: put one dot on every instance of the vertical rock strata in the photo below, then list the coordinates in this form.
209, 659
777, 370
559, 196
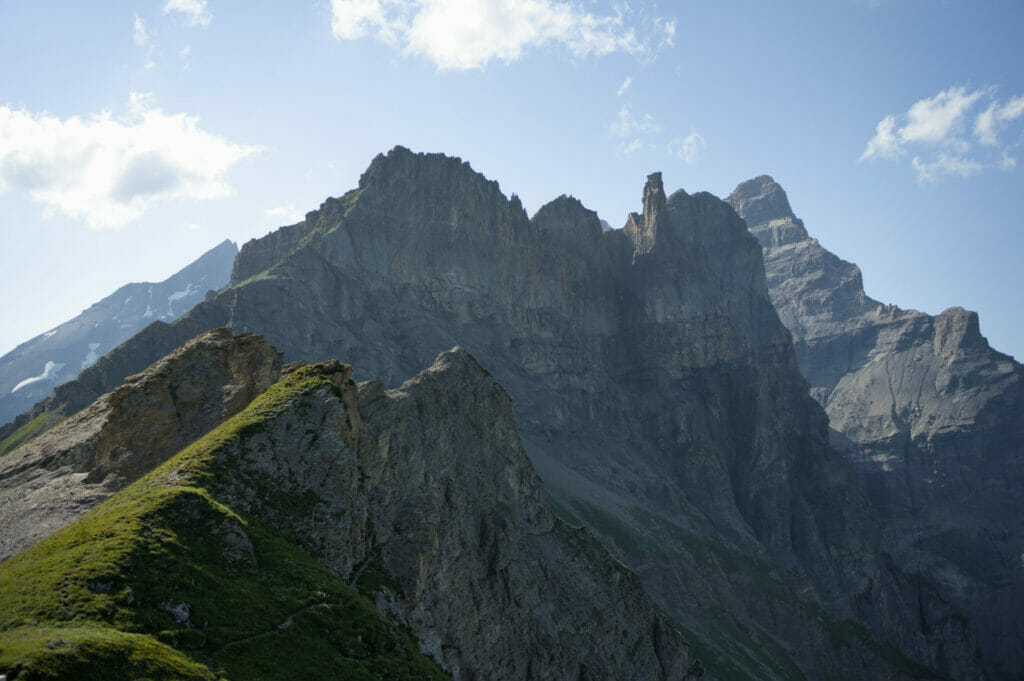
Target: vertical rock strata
422, 496
931, 418
656, 390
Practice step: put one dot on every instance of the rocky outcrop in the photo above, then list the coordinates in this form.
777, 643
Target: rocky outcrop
656, 390
929, 415
496, 585
68, 469
422, 495
32, 370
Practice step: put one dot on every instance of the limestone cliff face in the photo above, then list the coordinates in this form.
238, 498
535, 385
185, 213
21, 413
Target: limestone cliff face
422, 495
929, 414
64, 472
657, 392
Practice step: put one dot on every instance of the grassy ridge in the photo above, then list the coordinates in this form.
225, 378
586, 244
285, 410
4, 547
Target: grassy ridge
171, 582
41, 423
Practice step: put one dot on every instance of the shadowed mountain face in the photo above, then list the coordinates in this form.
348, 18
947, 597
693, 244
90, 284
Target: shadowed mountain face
929, 415
240, 556
30, 372
657, 393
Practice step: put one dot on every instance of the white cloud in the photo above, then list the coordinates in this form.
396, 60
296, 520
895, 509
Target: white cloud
885, 143
626, 125
631, 146
108, 171
934, 119
1013, 110
943, 166
667, 28
989, 121
625, 86
934, 130
140, 34
468, 34
191, 227
194, 12
688, 148
289, 213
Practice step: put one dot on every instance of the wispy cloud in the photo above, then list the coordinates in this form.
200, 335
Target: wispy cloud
289, 213
140, 36
639, 132
997, 116
468, 34
108, 171
936, 131
885, 143
625, 86
688, 148
194, 12
944, 166
627, 124
631, 146
632, 130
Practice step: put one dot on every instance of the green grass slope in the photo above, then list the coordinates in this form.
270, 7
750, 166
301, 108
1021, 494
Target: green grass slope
166, 581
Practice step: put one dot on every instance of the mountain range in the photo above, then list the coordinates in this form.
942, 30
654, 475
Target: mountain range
31, 371
807, 483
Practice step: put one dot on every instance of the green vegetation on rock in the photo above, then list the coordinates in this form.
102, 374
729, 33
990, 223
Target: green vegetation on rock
40, 424
166, 580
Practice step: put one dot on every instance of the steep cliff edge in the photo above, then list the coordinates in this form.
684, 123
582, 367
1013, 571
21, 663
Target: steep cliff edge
928, 413
62, 473
657, 394
249, 545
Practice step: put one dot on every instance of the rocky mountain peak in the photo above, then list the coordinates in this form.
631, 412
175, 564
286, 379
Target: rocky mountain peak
957, 331
928, 414
654, 383
763, 203
402, 169
643, 229
567, 220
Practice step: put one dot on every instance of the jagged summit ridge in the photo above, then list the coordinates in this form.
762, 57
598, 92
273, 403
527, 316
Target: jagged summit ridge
927, 412
657, 392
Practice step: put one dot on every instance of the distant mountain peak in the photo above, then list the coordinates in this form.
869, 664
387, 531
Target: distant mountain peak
763, 203
34, 368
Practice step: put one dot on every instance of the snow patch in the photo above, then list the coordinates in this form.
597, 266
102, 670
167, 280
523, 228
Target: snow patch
49, 333
148, 313
49, 371
190, 290
91, 356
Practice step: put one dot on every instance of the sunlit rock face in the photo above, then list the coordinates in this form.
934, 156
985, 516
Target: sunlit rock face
929, 414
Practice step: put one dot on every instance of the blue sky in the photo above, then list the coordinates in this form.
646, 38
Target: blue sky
136, 135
